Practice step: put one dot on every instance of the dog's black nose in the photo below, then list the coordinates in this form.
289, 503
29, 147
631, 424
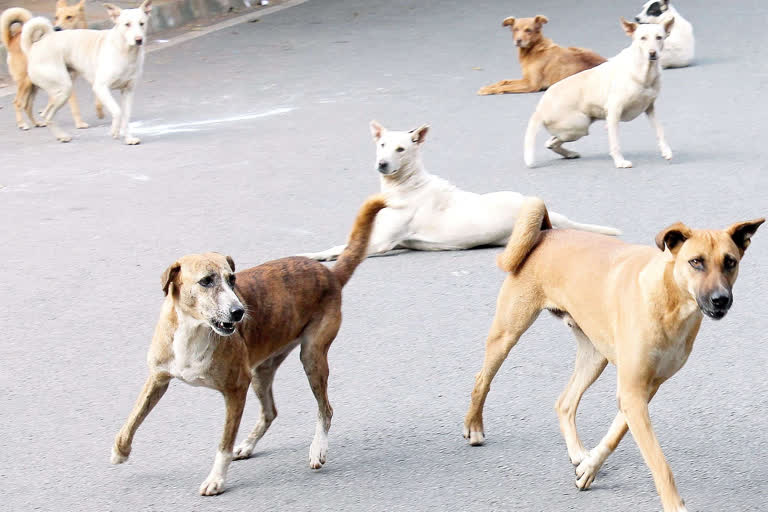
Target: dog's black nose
139, 41
383, 165
637, 19
652, 53
720, 300
237, 313
57, 28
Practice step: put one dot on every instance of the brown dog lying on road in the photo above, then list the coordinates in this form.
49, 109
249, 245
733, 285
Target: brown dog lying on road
638, 307
543, 62
225, 331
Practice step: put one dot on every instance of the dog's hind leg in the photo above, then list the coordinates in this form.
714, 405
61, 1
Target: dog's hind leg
58, 95
75, 108
314, 357
261, 382
515, 312
589, 365
235, 402
556, 145
153, 391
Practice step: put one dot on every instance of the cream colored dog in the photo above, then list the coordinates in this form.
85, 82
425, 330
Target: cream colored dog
108, 59
618, 90
427, 213
637, 307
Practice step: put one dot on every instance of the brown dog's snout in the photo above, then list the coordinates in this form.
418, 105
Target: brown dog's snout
721, 299
237, 312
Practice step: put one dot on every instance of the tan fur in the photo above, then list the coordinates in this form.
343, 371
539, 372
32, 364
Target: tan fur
66, 17
288, 302
637, 307
542, 61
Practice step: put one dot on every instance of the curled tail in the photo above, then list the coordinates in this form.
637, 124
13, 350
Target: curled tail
532, 220
534, 124
357, 246
8, 18
33, 31
563, 222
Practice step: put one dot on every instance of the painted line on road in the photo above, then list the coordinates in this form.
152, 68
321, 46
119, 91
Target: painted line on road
205, 31
140, 128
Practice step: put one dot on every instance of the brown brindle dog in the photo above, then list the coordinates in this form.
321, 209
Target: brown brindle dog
225, 331
637, 307
543, 62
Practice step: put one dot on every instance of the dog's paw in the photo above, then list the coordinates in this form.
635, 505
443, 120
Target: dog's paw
212, 486
117, 458
132, 141
586, 472
475, 437
243, 450
578, 456
23, 126
64, 138
570, 155
318, 452
81, 125
623, 164
485, 91
666, 153
40, 124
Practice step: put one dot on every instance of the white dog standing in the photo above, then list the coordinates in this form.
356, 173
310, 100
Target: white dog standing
427, 213
679, 46
618, 90
108, 59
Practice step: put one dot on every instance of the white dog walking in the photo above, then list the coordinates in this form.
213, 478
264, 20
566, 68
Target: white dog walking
427, 213
108, 59
679, 46
618, 90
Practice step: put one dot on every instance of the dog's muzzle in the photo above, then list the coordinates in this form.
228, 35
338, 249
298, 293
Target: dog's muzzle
57, 28
716, 306
653, 55
236, 313
383, 168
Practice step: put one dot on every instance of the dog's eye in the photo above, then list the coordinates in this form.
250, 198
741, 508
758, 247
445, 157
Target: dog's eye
231, 280
400, 150
643, 38
527, 31
697, 263
658, 38
69, 18
730, 263
128, 24
206, 282
142, 24
382, 144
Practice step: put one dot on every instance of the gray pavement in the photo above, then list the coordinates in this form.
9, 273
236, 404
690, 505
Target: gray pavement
255, 143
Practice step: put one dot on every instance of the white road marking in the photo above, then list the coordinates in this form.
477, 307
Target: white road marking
139, 127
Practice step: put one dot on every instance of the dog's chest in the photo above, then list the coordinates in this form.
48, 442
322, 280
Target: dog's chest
193, 350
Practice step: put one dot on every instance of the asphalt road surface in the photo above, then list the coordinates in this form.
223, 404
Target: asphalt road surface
255, 144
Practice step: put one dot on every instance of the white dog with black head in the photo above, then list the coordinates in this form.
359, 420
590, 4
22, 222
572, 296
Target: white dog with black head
679, 46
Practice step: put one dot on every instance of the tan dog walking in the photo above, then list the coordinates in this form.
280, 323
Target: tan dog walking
543, 62
637, 307
227, 331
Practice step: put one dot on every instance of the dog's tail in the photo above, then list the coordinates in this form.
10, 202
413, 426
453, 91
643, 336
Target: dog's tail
532, 220
33, 31
534, 124
357, 246
8, 19
563, 222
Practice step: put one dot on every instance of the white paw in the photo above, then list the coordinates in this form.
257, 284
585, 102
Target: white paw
132, 141
116, 458
64, 138
623, 164
318, 451
475, 438
243, 450
666, 153
572, 154
578, 456
81, 125
23, 126
212, 486
529, 161
586, 472
114, 131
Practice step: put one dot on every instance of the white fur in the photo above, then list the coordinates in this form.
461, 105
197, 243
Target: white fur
318, 450
427, 213
679, 48
108, 59
618, 90
192, 351
214, 484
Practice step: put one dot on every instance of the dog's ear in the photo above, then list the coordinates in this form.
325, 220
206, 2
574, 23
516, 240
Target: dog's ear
665, 4
81, 5
419, 135
629, 27
231, 263
376, 130
668, 26
169, 276
540, 20
673, 237
146, 6
113, 11
61, 3
508, 22
742, 232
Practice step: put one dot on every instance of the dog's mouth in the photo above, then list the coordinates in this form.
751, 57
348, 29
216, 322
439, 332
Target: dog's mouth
713, 312
653, 57
223, 328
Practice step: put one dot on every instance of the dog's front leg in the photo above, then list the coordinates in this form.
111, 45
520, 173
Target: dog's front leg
612, 123
666, 151
126, 117
511, 86
153, 391
103, 94
235, 402
634, 406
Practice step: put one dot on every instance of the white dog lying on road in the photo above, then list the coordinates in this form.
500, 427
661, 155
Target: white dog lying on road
427, 213
618, 90
679, 46
108, 59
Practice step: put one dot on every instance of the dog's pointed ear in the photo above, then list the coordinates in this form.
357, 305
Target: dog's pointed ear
742, 232
540, 19
377, 130
668, 26
419, 135
81, 5
508, 22
231, 263
629, 26
61, 3
673, 237
146, 6
169, 276
113, 11
665, 4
